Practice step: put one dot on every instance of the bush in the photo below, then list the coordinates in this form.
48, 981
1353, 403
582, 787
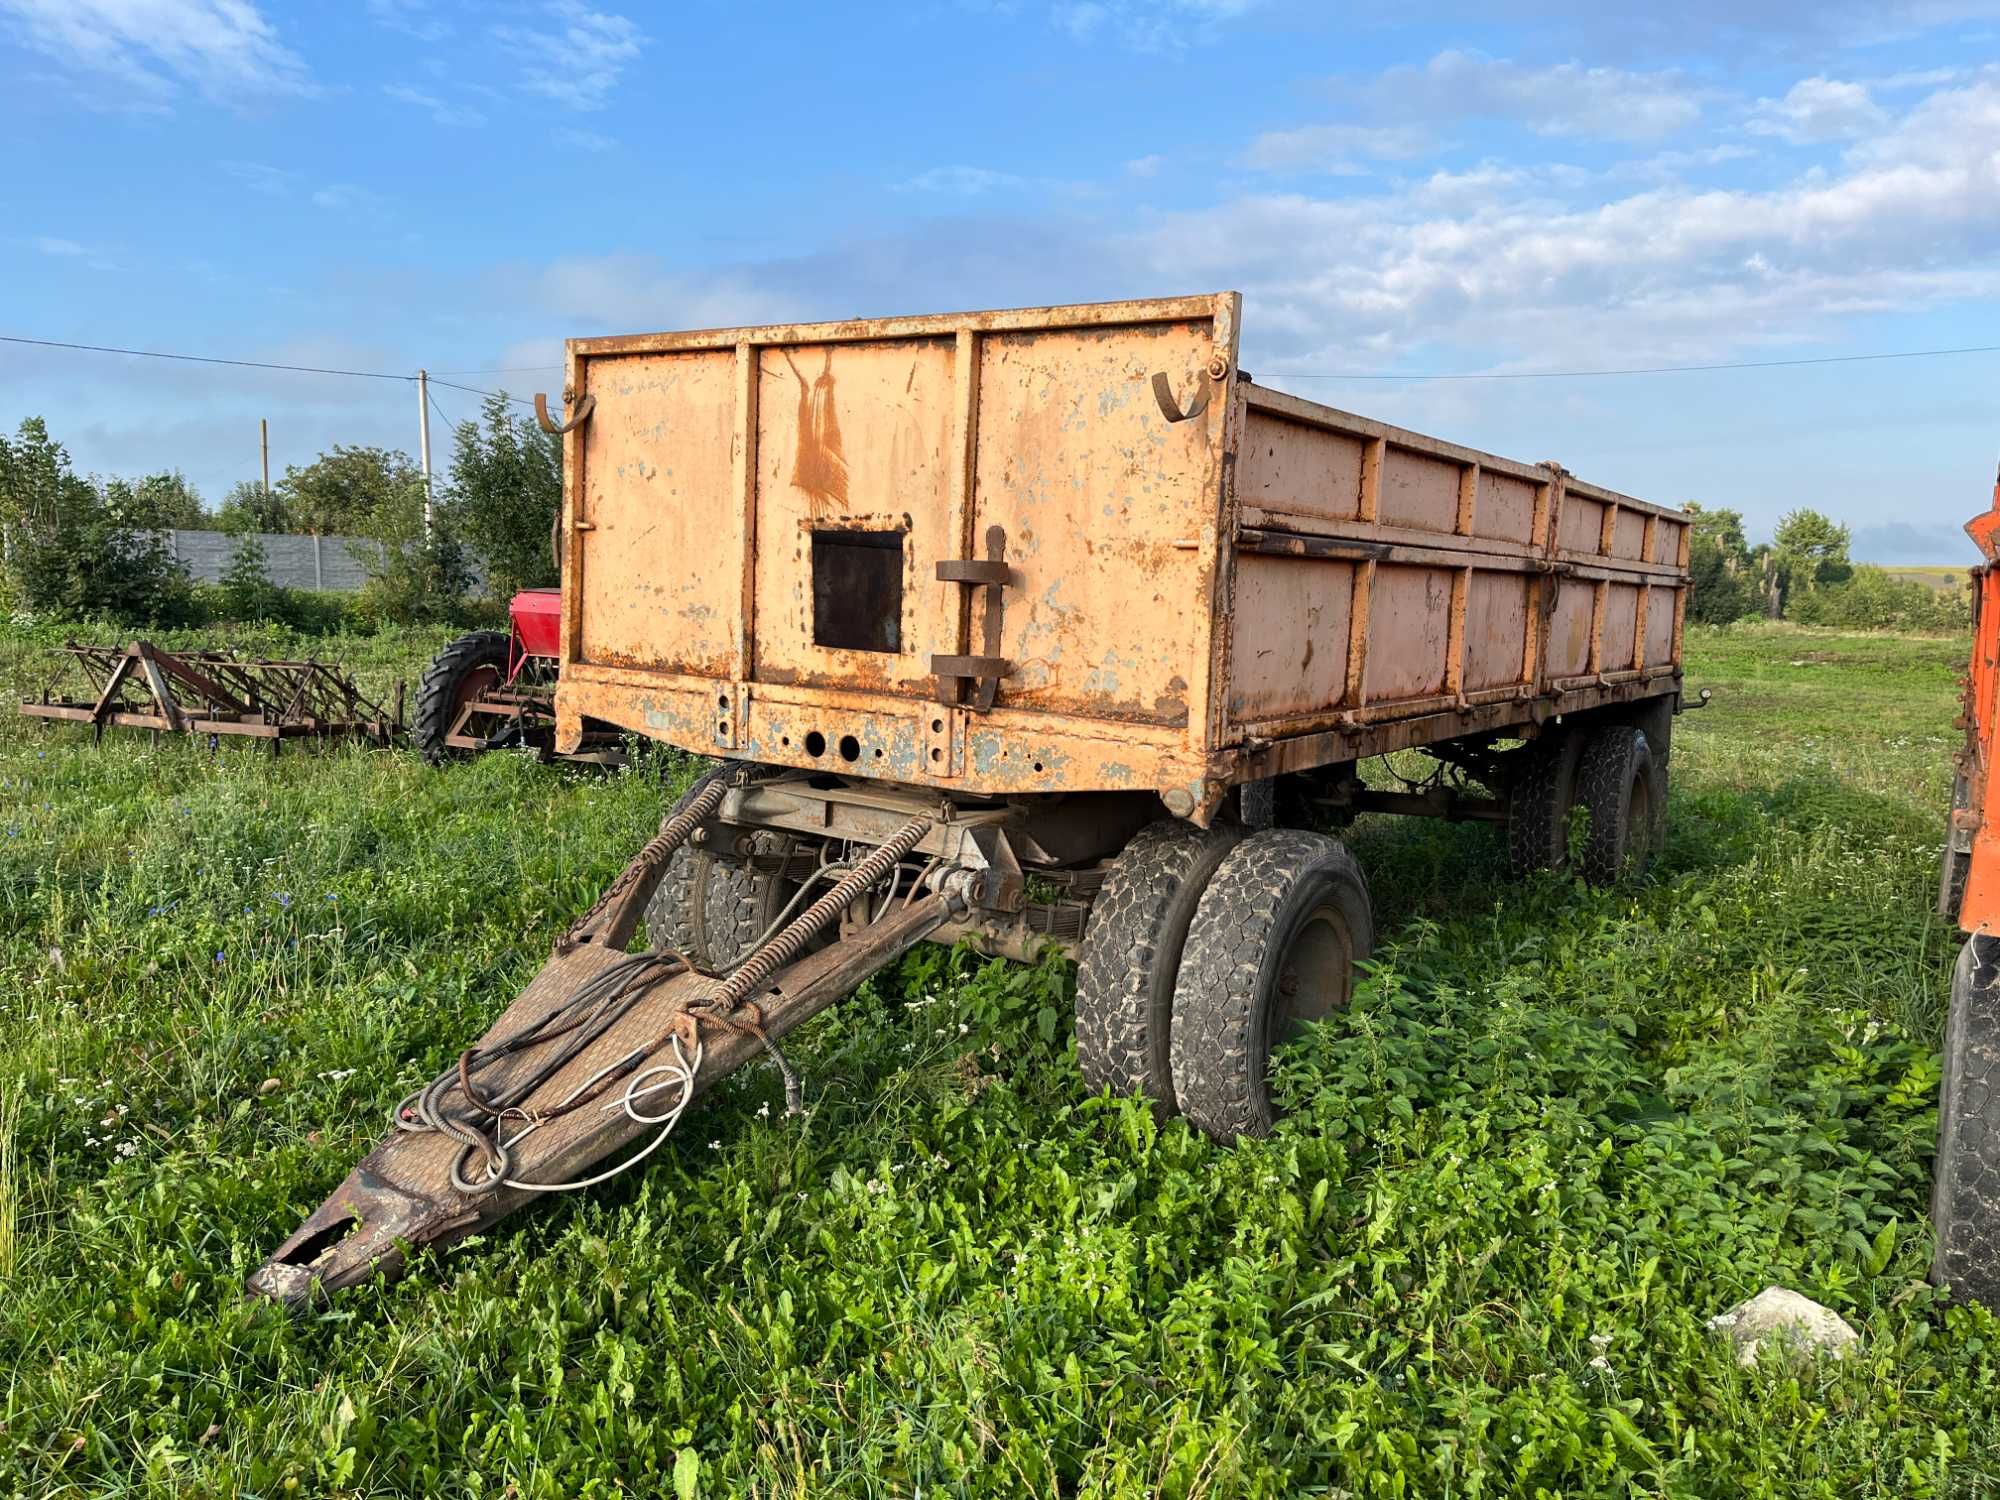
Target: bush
247, 591
419, 581
77, 548
1871, 598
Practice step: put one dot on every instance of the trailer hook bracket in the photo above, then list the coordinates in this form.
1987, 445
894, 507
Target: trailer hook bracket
576, 419
1163, 393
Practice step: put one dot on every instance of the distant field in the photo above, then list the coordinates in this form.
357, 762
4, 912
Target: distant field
1555, 1132
1939, 578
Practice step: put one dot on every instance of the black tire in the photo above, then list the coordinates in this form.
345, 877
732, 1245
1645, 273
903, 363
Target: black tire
1132, 952
1617, 789
1274, 942
1538, 804
445, 682
1965, 1199
710, 909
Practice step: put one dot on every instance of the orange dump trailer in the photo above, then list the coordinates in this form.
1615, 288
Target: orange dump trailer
1072, 579
1038, 629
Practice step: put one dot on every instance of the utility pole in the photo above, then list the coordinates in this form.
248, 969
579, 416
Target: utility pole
424, 438
264, 442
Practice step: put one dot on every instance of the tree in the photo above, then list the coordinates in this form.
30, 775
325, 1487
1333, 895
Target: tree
250, 507
505, 490
247, 591
163, 501
1807, 552
341, 493
1722, 567
73, 548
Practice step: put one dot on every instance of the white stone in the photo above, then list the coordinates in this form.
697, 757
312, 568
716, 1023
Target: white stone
1798, 1325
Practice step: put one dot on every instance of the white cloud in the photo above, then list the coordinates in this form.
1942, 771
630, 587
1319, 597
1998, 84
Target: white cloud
1911, 220
1566, 99
224, 48
1818, 109
962, 182
413, 18
1145, 166
1147, 25
1503, 264
579, 64
631, 292
1334, 148
261, 178
585, 140
444, 113
50, 244
344, 197
976, 182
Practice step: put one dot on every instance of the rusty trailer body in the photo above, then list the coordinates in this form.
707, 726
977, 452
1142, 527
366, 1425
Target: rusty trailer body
1066, 550
1035, 629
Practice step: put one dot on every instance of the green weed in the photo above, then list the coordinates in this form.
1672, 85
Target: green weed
1555, 1132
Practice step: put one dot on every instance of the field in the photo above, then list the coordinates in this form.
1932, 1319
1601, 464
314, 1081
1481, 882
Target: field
1942, 578
1555, 1133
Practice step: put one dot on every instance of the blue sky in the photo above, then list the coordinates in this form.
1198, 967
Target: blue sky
1501, 187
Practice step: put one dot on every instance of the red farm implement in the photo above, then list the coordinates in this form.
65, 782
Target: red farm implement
494, 691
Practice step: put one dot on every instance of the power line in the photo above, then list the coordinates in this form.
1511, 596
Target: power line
449, 425
245, 364
1759, 364
204, 359
1755, 364
475, 390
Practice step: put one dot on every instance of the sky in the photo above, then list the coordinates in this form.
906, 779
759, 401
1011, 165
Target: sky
1509, 187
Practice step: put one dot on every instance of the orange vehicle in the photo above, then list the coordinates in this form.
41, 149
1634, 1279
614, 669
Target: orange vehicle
1039, 629
1965, 1200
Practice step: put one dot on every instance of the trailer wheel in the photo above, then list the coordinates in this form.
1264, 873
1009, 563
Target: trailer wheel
1965, 1199
1538, 804
709, 909
1274, 944
1617, 787
1132, 953
475, 663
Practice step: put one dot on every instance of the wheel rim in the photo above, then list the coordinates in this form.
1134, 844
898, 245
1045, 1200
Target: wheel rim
1315, 972
474, 685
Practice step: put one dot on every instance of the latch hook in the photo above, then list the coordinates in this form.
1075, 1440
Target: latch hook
577, 418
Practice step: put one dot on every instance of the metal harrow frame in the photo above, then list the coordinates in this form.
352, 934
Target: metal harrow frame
143, 686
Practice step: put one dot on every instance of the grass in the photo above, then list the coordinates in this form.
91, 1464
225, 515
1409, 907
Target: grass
1557, 1130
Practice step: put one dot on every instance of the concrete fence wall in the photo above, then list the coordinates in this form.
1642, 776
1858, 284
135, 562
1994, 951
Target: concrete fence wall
293, 562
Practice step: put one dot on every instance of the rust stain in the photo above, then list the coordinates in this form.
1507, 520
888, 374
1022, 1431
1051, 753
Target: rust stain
820, 469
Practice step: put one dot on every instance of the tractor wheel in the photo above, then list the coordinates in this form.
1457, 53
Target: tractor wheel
709, 909
1274, 944
471, 665
1616, 785
1965, 1200
1132, 953
1538, 804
